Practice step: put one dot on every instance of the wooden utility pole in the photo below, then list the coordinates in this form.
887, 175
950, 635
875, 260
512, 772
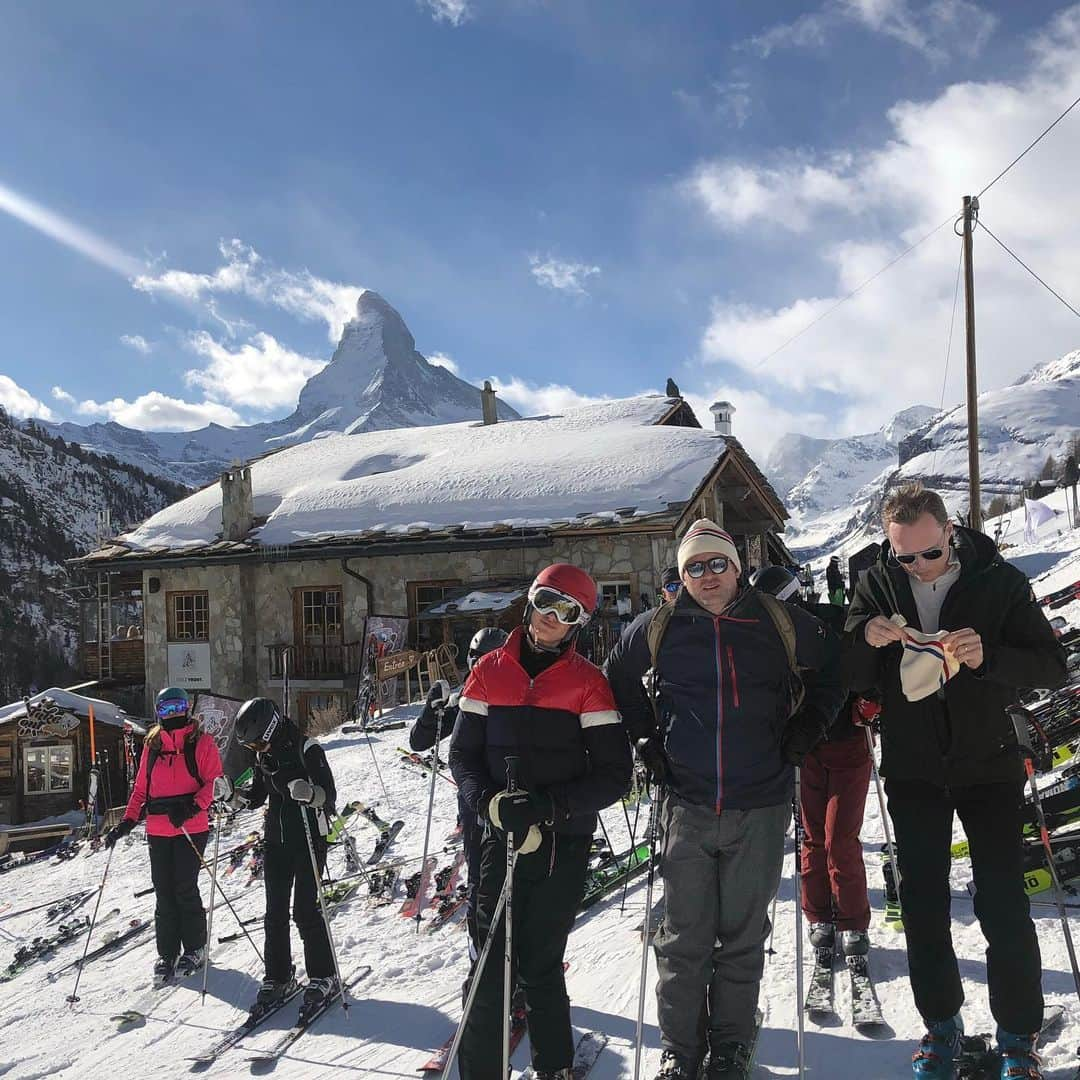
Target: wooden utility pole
971, 212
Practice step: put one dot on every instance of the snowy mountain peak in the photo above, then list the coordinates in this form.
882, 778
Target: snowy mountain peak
905, 422
1064, 367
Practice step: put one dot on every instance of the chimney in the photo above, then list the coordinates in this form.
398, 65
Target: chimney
487, 404
722, 412
237, 508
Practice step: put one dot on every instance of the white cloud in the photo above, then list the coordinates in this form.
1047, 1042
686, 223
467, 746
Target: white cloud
137, 342
727, 102
244, 272
20, 402
61, 395
155, 411
262, 374
444, 361
568, 277
530, 400
937, 30
66, 232
455, 12
738, 194
884, 349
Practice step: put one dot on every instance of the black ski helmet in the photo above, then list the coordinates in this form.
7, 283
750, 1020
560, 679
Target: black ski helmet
486, 639
782, 583
258, 723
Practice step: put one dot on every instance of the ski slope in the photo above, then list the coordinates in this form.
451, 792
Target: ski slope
411, 1001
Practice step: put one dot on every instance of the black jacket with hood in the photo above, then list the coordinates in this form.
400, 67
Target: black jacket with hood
960, 736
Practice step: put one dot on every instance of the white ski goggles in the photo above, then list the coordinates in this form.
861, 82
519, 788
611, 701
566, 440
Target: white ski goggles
566, 609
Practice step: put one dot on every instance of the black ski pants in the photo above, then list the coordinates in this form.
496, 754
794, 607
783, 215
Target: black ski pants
179, 918
548, 887
992, 818
287, 874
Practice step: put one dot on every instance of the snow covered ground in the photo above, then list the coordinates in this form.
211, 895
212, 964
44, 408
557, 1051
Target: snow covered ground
410, 1003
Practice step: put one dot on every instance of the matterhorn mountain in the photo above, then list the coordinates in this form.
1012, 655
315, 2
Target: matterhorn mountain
835, 501
375, 380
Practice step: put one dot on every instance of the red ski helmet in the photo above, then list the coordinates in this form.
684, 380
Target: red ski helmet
571, 582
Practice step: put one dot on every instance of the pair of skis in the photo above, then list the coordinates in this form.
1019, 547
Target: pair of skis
866, 1014
281, 1045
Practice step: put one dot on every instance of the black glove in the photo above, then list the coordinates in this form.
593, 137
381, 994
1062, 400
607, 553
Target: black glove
118, 832
439, 694
515, 811
179, 812
801, 736
650, 752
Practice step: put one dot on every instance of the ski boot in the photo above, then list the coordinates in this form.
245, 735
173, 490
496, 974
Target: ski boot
675, 1067
934, 1060
729, 1061
271, 993
190, 962
1018, 1058
318, 995
164, 970
854, 942
822, 935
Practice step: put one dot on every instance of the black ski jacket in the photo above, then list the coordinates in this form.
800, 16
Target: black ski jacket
298, 758
422, 737
724, 697
961, 736
562, 725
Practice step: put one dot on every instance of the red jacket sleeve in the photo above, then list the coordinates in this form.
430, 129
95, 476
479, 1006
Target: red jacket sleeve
138, 792
209, 761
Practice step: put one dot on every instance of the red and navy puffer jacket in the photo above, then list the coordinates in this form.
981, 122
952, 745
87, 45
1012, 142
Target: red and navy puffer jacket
562, 725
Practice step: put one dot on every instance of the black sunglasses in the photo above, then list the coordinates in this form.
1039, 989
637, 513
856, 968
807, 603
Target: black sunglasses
718, 564
929, 555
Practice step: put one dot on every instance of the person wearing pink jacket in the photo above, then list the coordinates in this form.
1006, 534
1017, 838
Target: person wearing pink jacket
175, 787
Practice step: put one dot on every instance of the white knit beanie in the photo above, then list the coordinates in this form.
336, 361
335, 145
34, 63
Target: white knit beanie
705, 537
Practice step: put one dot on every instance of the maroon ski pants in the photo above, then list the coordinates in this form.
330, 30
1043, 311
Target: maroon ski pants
835, 779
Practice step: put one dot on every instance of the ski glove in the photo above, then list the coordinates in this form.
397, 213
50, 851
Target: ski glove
303, 791
439, 694
181, 811
650, 752
515, 811
802, 734
118, 832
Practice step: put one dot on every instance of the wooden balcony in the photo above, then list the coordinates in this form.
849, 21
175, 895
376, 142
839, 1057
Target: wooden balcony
315, 661
127, 655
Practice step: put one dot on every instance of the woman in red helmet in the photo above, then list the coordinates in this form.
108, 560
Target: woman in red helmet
536, 699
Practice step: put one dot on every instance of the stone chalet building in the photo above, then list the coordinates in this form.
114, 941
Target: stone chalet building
271, 580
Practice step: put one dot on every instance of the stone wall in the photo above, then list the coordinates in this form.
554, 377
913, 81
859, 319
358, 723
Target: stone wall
251, 603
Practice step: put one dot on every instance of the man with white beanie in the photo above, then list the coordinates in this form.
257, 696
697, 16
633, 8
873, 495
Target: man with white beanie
722, 730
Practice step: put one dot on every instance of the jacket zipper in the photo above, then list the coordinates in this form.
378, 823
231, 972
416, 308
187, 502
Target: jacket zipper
734, 677
719, 719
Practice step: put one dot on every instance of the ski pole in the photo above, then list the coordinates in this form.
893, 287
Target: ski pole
632, 829
74, 995
645, 928
206, 866
322, 906
1018, 716
503, 906
797, 811
210, 916
439, 713
508, 951
890, 847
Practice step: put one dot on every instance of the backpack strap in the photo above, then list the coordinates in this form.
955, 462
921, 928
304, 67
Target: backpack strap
654, 635
153, 741
785, 626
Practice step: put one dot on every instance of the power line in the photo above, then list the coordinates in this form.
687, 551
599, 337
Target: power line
1009, 251
948, 346
1031, 146
854, 292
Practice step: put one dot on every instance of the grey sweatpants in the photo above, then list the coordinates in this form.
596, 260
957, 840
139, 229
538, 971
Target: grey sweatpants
720, 872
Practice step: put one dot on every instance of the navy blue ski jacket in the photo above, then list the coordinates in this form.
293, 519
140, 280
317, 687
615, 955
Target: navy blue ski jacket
724, 697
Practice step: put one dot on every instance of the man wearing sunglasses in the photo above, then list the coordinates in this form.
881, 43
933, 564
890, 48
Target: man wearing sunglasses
670, 584
952, 751
718, 729
538, 700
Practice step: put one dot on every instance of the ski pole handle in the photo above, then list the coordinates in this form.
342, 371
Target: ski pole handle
512, 763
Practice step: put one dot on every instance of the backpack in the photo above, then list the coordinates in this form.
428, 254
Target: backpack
781, 619
155, 751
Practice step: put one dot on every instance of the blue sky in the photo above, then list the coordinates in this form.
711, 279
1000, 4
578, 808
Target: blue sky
576, 198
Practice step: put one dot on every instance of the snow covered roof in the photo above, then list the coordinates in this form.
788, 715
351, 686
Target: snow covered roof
67, 701
612, 462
